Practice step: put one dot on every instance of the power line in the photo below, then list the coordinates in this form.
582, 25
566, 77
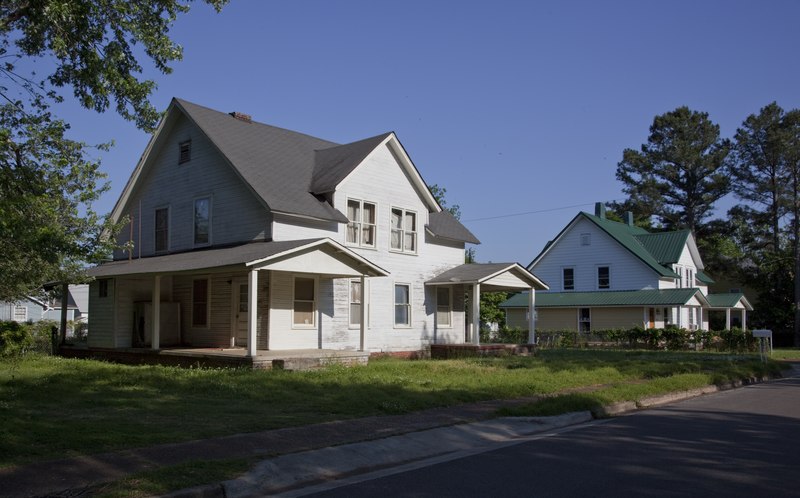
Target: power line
538, 211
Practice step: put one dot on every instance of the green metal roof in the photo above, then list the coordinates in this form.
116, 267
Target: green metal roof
727, 300
665, 247
628, 236
703, 277
649, 297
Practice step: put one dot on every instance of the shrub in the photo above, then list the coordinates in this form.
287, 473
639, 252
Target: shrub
15, 339
41, 334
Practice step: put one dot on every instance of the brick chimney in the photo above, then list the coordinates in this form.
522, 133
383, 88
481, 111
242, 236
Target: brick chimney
242, 116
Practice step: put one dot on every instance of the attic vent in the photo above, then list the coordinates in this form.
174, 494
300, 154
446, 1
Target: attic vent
242, 116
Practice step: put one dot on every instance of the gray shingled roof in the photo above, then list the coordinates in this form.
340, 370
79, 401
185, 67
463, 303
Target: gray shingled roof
332, 165
278, 164
237, 256
471, 273
445, 225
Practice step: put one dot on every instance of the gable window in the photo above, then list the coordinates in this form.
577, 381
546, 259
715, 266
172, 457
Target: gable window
20, 313
202, 221
443, 307
404, 231
162, 229
586, 239
102, 287
361, 227
568, 278
304, 302
200, 302
355, 302
402, 305
585, 319
184, 152
603, 277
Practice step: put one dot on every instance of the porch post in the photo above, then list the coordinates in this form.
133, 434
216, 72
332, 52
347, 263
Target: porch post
363, 317
252, 312
680, 317
532, 316
744, 319
700, 318
155, 341
476, 314
727, 318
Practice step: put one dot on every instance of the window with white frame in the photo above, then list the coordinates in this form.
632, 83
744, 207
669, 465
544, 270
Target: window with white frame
603, 277
444, 307
404, 231
102, 287
20, 313
585, 319
305, 304
202, 221
356, 301
162, 229
200, 302
568, 278
361, 225
402, 305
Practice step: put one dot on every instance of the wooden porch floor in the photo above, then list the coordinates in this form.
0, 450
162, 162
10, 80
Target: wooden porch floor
293, 359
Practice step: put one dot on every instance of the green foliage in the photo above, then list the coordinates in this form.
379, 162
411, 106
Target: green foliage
670, 338
48, 182
680, 172
15, 339
439, 194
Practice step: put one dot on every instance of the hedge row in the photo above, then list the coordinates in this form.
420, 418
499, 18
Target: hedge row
670, 338
20, 338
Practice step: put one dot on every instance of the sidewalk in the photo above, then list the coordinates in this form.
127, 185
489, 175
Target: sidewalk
341, 443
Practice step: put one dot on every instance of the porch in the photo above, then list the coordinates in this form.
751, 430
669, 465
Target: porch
291, 359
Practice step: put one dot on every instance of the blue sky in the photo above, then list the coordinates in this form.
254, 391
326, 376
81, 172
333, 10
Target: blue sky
512, 106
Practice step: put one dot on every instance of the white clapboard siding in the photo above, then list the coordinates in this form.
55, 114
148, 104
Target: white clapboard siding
102, 312
627, 271
236, 213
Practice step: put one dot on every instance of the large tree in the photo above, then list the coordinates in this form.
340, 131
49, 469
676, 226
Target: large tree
680, 172
48, 230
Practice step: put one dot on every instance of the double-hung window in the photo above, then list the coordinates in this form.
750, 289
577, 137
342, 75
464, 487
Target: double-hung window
200, 302
585, 319
305, 304
356, 301
568, 278
404, 231
603, 277
443, 307
402, 305
361, 225
202, 221
162, 229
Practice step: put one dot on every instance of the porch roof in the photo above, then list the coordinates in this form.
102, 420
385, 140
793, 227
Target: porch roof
500, 276
329, 257
647, 297
728, 300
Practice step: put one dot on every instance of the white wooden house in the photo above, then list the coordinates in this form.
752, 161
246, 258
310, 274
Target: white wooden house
245, 235
605, 274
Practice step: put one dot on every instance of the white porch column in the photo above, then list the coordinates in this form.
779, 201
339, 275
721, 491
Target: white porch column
744, 319
252, 312
700, 318
156, 339
476, 314
363, 317
727, 318
680, 317
532, 316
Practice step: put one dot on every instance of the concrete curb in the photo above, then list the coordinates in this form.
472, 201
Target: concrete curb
306, 468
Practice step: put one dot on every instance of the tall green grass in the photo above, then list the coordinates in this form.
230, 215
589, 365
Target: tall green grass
54, 407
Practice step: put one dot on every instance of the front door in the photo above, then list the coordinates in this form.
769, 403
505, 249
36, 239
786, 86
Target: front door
240, 313
652, 318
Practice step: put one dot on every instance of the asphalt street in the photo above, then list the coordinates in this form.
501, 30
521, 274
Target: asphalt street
744, 442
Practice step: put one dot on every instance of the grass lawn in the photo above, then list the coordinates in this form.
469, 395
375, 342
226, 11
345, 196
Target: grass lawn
56, 407
792, 354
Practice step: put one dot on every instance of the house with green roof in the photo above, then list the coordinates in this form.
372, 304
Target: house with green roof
607, 274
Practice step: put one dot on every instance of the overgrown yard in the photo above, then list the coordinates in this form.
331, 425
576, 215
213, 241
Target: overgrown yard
56, 407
